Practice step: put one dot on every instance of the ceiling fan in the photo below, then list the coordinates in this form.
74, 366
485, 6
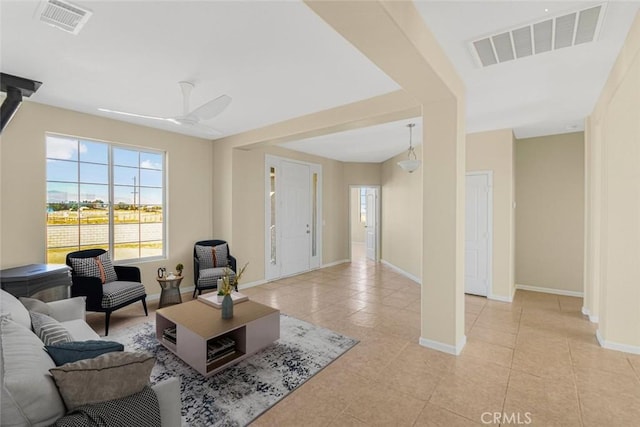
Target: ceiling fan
190, 119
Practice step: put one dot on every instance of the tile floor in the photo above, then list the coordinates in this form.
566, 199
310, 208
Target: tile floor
535, 360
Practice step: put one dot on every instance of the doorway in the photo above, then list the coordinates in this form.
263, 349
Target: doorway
478, 232
364, 224
293, 206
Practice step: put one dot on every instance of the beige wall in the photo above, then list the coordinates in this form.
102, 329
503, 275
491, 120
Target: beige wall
357, 227
401, 224
23, 186
362, 173
493, 151
550, 212
614, 194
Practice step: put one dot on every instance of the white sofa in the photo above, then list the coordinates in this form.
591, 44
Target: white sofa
29, 394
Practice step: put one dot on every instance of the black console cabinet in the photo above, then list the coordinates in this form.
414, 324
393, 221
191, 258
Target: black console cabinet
46, 282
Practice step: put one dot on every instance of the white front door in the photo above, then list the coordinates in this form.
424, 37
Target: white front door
371, 229
296, 218
477, 231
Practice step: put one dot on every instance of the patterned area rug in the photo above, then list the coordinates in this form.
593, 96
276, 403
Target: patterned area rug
240, 393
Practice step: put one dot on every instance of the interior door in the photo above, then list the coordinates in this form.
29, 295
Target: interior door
371, 221
296, 218
477, 229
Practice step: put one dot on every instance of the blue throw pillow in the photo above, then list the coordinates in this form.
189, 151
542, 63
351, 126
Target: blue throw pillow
67, 352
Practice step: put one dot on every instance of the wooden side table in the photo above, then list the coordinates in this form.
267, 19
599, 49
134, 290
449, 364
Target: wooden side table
170, 293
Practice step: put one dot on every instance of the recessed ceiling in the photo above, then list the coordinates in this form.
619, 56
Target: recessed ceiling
372, 144
277, 60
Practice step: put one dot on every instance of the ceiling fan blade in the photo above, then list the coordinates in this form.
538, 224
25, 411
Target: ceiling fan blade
142, 116
210, 109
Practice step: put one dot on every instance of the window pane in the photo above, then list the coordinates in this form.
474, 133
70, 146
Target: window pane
126, 251
58, 192
314, 215
61, 170
150, 178
95, 194
151, 161
150, 232
94, 152
98, 174
151, 214
61, 214
148, 249
124, 196
125, 175
122, 157
124, 233
62, 148
94, 234
125, 215
272, 227
60, 236
150, 196
59, 255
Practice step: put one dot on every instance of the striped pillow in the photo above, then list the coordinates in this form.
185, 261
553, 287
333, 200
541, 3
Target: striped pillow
99, 266
48, 329
213, 256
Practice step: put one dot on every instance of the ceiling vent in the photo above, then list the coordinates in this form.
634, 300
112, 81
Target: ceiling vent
63, 15
568, 29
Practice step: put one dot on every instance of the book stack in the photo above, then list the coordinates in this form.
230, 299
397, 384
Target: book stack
169, 334
220, 348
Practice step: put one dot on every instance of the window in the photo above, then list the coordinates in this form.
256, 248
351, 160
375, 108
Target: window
101, 195
363, 205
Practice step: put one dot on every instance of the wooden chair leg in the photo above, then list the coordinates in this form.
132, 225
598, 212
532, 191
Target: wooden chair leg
144, 304
107, 317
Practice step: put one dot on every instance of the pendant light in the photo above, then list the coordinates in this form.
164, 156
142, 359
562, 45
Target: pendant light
412, 163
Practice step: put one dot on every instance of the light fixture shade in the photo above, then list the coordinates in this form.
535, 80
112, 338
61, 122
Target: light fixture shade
409, 165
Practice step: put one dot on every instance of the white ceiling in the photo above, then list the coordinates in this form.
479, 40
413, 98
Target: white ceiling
278, 60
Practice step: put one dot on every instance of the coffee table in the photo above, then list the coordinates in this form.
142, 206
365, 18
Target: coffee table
253, 327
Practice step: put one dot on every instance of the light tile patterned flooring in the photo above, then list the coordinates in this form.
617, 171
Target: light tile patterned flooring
536, 358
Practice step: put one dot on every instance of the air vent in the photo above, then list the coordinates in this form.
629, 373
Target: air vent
566, 30
63, 15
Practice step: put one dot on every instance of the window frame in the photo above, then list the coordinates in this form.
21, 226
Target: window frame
111, 224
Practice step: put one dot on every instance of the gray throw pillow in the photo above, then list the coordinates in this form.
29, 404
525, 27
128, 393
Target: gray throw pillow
36, 305
69, 352
100, 267
48, 329
213, 256
106, 377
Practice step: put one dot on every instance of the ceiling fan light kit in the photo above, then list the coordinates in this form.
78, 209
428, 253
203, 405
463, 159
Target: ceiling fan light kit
412, 163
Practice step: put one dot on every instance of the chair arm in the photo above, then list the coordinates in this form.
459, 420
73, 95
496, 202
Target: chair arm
128, 273
90, 287
68, 309
233, 263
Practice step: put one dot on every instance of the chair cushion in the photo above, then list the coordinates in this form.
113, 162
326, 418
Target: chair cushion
213, 256
99, 266
120, 292
68, 352
48, 329
209, 276
106, 377
29, 395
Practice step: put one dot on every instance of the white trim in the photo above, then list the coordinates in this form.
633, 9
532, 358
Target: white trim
331, 264
401, 271
500, 298
585, 311
633, 349
156, 297
445, 348
592, 318
489, 175
550, 291
252, 284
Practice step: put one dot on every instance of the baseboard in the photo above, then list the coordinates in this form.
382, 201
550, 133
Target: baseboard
331, 264
587, 312
401, 271
252, 284
550, 291
633, 349
445, 348
183, 290
500, 298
